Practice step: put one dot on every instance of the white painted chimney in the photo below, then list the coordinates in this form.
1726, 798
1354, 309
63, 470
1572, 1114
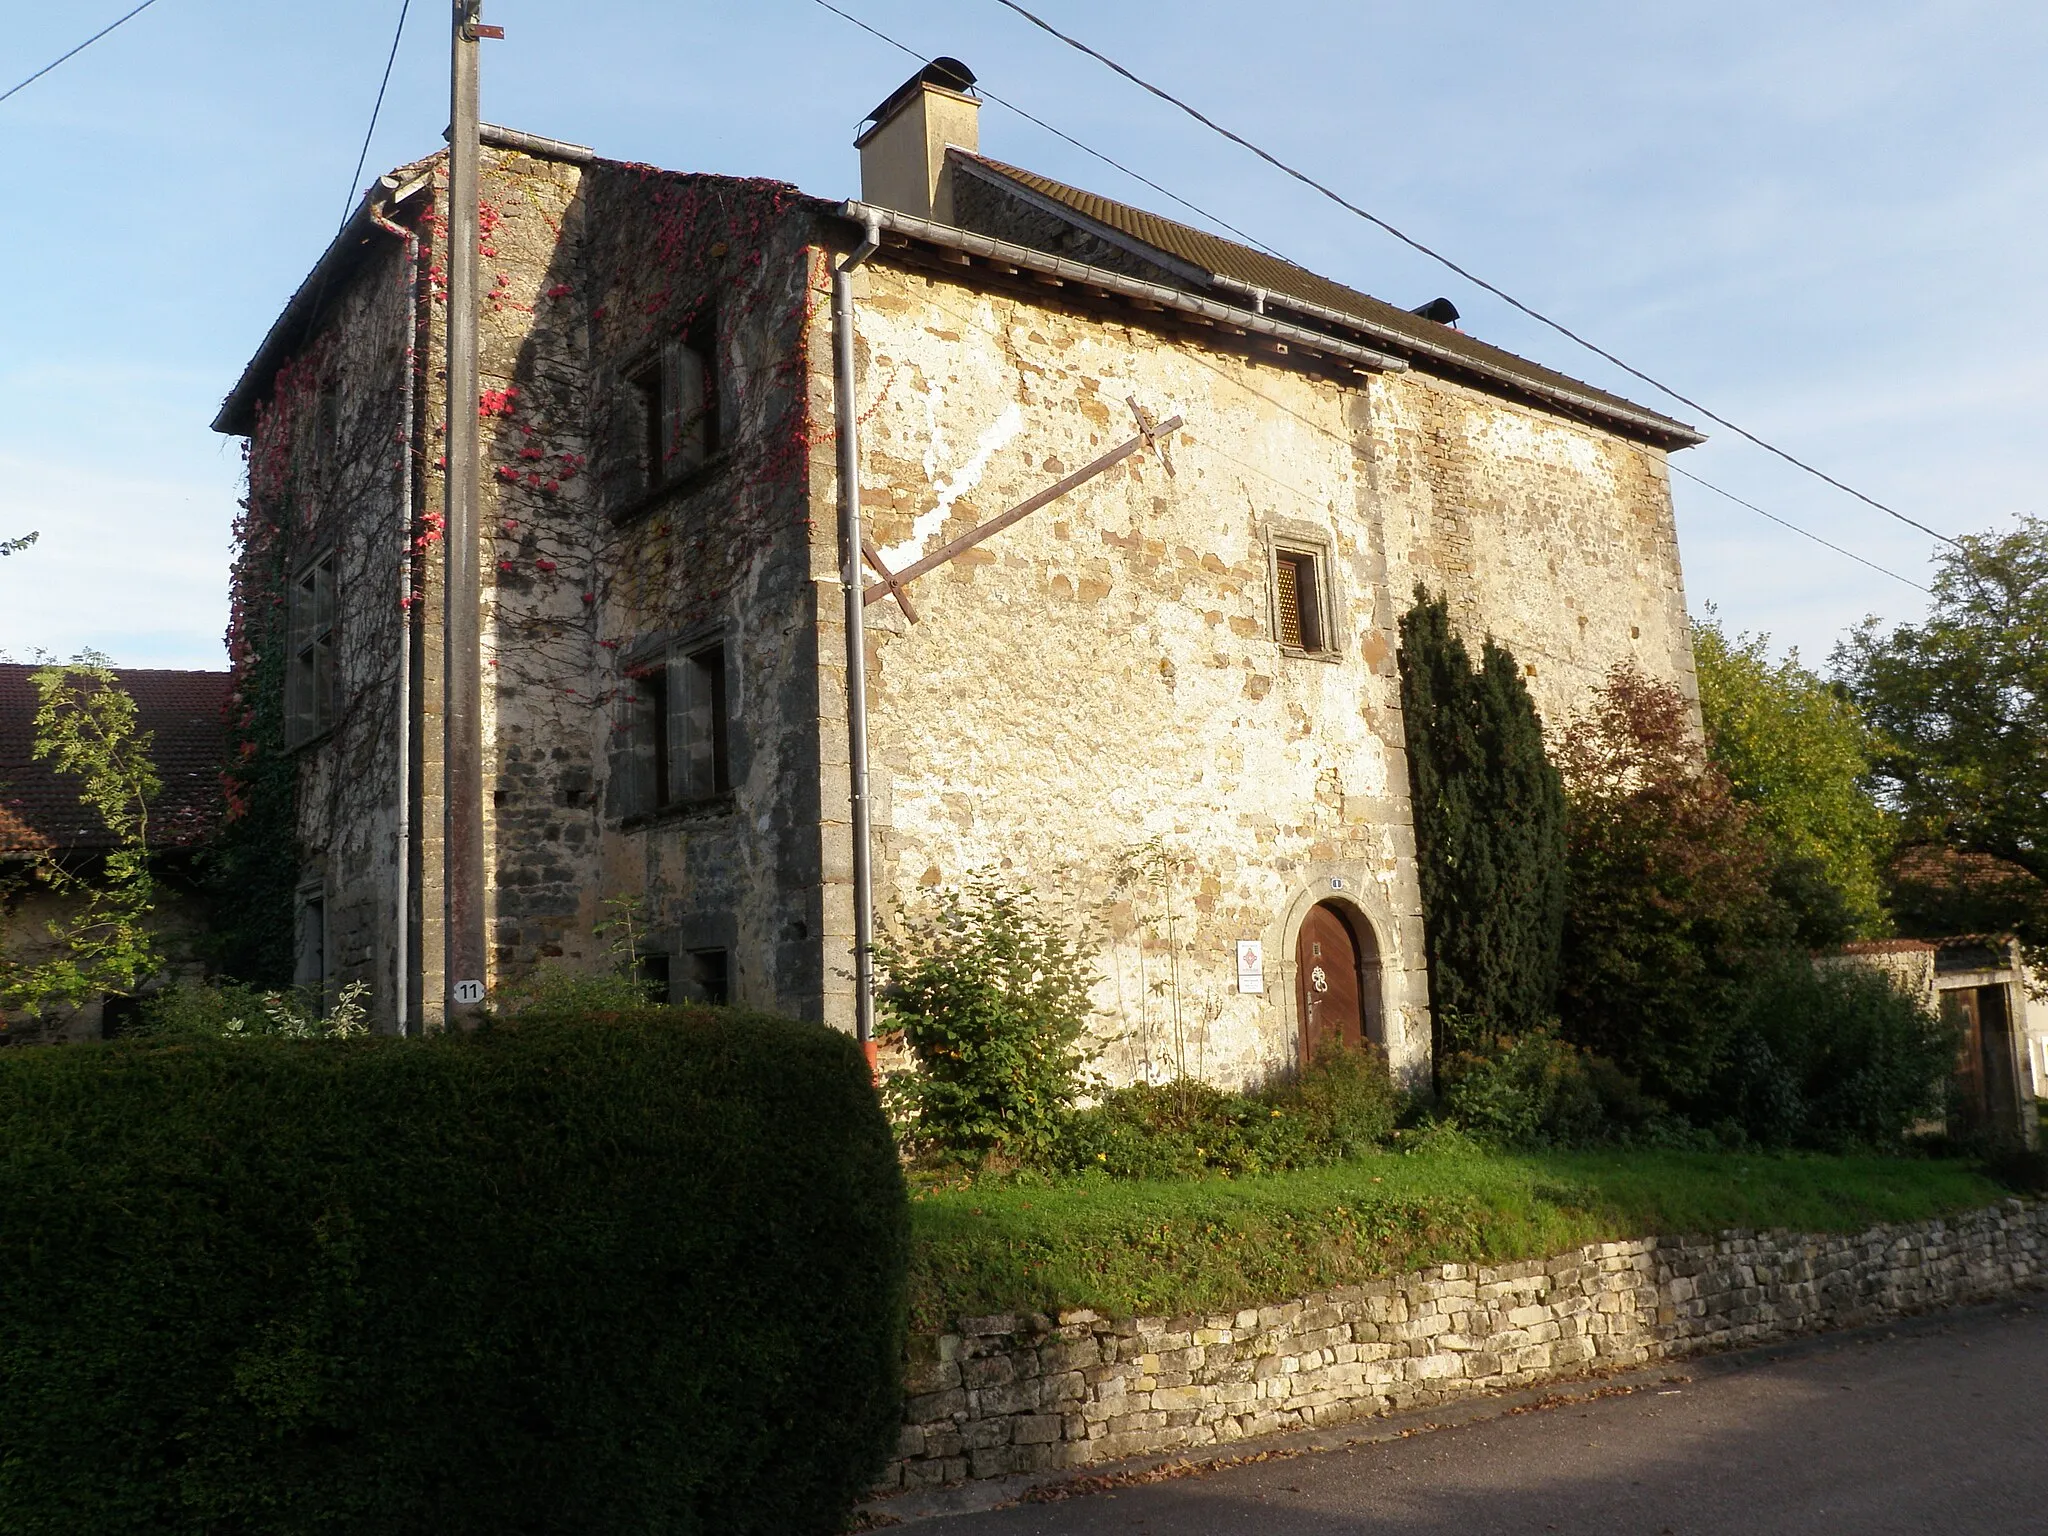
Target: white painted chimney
903, 155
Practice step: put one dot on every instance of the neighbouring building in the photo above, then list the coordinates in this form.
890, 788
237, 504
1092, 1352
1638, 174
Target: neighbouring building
1981, 985
1168, 697
42, 821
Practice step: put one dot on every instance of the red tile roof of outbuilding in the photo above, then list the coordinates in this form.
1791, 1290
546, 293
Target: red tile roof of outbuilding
39, 808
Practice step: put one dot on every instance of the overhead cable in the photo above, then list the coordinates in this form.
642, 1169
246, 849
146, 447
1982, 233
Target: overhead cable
103, 31
1471, 277
369, 133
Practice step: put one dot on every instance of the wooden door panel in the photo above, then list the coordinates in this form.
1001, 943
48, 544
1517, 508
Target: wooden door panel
1328, 982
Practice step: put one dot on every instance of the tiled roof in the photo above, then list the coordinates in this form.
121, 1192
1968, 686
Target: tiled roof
1435, 344
40, 809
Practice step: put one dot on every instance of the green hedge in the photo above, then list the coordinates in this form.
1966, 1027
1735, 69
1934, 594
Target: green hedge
637, 1275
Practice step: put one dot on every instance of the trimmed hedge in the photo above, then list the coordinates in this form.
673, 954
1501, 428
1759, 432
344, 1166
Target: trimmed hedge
638, 1274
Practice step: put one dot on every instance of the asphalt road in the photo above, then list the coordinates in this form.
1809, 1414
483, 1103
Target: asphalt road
1932, 1428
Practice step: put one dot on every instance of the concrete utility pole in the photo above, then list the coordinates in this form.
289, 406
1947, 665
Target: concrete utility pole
462, 700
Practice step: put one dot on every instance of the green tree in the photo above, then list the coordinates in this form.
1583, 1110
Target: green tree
104, 943
1670, 892
16, 546
1797, 752
1960, 704
1489, 834
992, 996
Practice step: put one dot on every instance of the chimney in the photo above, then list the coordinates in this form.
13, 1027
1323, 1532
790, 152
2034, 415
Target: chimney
903, 155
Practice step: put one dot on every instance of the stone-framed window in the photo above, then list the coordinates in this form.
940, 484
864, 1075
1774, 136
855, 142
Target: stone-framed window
1303, 594
312, 620
678, 750
676, 392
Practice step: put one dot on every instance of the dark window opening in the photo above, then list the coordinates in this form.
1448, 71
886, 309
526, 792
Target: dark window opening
653, 972
309, 970
309, 665
1298, 600
677, 396
709, 976
653, 689
118, 1015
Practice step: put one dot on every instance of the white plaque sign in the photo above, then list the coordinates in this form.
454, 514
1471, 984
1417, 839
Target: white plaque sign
469, 992
1251, 966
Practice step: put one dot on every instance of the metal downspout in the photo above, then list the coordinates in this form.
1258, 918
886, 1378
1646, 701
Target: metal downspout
846, 424
407, 437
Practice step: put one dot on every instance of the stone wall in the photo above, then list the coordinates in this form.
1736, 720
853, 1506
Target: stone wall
1025, 1393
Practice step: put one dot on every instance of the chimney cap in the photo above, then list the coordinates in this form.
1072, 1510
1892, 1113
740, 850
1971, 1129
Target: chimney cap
946, 73
1442, 311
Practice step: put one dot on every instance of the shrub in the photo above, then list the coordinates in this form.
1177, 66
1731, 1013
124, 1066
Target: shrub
1670, 903
1832, 1057
992, 997
1341, 1107
1489, 833
1542, 1091
632, 1275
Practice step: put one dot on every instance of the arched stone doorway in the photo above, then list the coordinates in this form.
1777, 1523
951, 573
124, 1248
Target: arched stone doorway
1337, 981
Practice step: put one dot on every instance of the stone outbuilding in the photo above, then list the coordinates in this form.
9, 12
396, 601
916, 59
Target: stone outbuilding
43, 822
1166, 699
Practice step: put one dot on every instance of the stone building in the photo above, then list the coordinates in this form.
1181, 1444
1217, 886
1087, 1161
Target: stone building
1167, 699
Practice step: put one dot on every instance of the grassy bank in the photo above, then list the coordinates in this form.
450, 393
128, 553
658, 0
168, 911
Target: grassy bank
1215, 1244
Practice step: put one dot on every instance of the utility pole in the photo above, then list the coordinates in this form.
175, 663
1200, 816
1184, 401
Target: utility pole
462, 698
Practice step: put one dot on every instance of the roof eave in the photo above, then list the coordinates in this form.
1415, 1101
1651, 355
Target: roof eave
237, 414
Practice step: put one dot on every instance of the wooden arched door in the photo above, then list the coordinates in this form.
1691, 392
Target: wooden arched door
1336, 982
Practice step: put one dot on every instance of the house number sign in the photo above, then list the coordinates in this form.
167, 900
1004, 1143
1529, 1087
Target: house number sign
469, 992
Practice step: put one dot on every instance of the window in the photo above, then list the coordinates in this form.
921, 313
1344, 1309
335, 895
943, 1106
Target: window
309, 668
653, 972
707, 976
677, 393
1300, 600
679, 752
309, 963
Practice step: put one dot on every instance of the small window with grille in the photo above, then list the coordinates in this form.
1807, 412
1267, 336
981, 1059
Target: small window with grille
1301, 601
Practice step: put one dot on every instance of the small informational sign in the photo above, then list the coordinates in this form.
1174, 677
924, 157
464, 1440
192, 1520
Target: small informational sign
1336, 882
469, 992
1251, 966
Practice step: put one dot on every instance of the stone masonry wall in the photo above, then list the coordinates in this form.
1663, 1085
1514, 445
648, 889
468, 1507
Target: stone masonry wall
1028, 1393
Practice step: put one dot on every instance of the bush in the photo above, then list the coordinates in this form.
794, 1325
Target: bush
1341, 1107
644, 1274
1833, 1057
1670, 902
1541, 1091
992, 998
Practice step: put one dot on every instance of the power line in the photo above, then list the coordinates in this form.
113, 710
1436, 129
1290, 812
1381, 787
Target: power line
369, 133
905, 48
1115, 165
1802, 532
1471, 277
103, 31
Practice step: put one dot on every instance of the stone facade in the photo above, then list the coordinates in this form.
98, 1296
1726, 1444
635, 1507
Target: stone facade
1002, 1395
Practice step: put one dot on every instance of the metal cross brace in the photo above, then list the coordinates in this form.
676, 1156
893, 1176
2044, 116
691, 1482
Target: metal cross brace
894, 583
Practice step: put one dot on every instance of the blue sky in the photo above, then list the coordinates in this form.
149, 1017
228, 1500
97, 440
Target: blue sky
1825, 220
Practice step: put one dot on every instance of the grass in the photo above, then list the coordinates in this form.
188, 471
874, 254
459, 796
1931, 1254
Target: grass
1188, 1246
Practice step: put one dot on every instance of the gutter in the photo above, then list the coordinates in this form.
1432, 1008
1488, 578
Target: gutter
1676, 432
401, 942
846, 425
1157, 294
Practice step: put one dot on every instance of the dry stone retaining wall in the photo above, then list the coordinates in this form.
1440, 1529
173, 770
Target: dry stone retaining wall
1029, 1393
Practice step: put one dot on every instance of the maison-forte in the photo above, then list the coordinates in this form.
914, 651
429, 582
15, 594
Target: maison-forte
1166, 700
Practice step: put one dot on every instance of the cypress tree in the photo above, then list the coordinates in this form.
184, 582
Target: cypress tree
1489, 833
